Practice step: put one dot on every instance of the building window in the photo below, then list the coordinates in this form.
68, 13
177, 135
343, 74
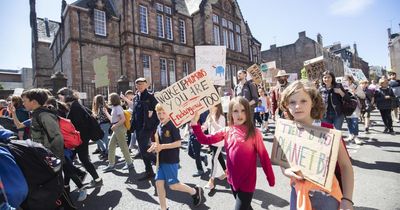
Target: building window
239, 43
168, 28
159, 7
230, 25
168, 10
224, 22
182, 31
99, 22
147, 68
233, 71
215, 19
171, 68
237, 29
185, 69
225, 36
160, 26
217, 40
163, 68
231, 40
251, 53
228, 72
144, 26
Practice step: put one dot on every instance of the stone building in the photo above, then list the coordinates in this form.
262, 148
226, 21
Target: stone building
349, 56
394, 51
153, 39
291, 57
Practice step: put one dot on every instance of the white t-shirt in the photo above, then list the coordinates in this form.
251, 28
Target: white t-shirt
116, 113
214, 126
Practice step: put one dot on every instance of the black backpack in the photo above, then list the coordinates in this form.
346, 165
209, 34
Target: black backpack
349, 106
42, 171
96, 131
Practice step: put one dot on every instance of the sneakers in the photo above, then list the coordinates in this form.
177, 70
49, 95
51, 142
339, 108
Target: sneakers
391, 131
197, 197
210, 185
147, 176
357, 141
128, 166
82, 194
109, 168
222, 177
97, 183
367, 130
349, 138
199, 173
97, 151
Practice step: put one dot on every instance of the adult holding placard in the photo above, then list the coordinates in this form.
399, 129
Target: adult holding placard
304, 106
282, 78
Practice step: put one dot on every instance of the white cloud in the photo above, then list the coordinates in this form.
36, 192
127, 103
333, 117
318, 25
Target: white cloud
349, 7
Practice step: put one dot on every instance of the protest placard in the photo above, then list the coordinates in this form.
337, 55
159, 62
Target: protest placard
194, 93
357, 74
312, 149
213, 60
314, 67
101, 72
225, 103
18, 91
255, 73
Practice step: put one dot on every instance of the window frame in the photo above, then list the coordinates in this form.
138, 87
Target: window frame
163, 63
169, 28
160, 34
145, 21
98, 29
147, 69
182, 31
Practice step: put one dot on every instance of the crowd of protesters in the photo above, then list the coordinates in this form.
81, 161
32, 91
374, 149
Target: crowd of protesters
251, 106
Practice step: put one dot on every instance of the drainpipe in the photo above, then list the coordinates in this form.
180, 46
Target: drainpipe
80, 48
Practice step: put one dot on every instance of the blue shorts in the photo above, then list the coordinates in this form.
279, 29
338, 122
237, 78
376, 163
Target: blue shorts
168, 172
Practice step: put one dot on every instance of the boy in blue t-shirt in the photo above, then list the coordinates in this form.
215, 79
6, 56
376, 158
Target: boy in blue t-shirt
168, 149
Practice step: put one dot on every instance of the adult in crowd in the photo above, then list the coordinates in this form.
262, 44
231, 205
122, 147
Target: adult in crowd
384, 97
144, 123
79, 116
333, 95
394, 83
3, 108
282, 78
352, 120
246, 89
367, 104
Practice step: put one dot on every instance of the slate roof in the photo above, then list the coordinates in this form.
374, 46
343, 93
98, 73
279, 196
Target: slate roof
46, 35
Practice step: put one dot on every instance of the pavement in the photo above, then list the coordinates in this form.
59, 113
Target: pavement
376, 166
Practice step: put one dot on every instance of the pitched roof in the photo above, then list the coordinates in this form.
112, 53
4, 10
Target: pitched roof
192, 6
46, 29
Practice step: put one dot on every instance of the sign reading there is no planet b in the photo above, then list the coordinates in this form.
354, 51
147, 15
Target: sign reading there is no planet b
194, 93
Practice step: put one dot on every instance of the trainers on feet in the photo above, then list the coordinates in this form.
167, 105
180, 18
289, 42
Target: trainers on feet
128, 166
197, 197
95, 183
357, 141
97, 151
210, 185
109, 168
82, 194
147, 176
199, 173
349, 138
222, 177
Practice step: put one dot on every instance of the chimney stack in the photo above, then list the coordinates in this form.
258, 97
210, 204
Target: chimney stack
319, 39
389, 30
302, 34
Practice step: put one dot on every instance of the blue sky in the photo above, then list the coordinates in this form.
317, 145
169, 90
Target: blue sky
364, 22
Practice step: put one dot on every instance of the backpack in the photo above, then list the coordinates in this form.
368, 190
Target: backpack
349, 106
128, 118
96, 131
42, 171
72, 137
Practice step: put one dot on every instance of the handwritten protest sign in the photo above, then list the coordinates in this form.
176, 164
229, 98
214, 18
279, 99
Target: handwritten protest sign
18, 91
357, 74
255, 73
312, 149
182, 99
315, 67
213, 60
101, 72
